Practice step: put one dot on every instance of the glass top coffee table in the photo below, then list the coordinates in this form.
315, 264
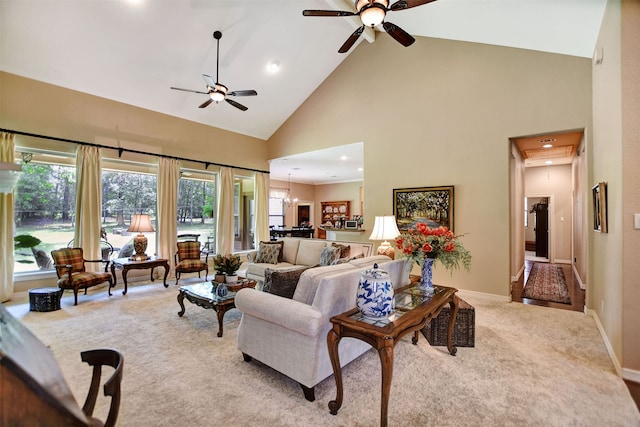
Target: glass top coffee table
202, 295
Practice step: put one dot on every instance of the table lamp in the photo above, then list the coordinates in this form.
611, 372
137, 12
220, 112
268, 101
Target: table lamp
140, 223
385, 229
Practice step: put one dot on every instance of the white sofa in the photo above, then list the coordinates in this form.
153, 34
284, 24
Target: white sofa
301, 252
290, 335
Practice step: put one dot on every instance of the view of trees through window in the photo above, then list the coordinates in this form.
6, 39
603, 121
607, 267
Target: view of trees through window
45, 203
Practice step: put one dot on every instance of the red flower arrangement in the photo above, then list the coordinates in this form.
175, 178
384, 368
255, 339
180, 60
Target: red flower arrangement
439, 243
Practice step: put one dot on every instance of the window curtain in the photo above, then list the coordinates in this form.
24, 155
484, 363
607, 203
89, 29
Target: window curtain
7, 154
224, 234
89, 203
166, 225
262, 207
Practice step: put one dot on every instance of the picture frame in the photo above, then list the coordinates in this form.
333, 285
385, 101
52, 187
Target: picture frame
599, 192
430, 205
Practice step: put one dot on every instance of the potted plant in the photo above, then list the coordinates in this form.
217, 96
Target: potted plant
228, 265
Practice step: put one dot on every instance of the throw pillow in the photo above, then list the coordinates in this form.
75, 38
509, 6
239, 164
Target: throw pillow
345, 250
269, 253
329, 255
347, 259
282, 282
127, 250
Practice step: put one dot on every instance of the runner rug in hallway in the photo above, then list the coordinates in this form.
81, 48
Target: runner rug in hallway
546, 282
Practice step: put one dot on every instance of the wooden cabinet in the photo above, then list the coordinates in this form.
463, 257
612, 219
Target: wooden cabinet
335, 213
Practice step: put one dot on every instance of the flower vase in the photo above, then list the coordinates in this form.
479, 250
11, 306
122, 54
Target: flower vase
426, 284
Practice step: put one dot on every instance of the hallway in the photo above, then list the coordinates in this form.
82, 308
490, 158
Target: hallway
577, 295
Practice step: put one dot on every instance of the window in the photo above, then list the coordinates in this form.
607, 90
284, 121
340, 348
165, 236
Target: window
243, 214
44, 206
197, 209
124, 194
45, 203
276, 212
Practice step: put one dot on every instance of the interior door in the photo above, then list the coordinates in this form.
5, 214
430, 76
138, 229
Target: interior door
542, 230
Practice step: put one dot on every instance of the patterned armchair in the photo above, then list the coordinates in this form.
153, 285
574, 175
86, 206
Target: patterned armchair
188, 260
70, 268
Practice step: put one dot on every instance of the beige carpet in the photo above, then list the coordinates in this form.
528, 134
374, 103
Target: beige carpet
530, 366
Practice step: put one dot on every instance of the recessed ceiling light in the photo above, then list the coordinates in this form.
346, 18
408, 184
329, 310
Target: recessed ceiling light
343, 157
548, 162
360, 169
273, 66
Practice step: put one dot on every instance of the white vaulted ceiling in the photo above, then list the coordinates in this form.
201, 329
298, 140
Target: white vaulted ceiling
133, 51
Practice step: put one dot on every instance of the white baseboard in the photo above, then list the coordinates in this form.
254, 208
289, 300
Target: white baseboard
563, 261
607, 344
583, 286
517, 276
631, 375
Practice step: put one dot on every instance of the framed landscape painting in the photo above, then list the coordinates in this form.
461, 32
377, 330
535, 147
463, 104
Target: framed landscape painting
431, 205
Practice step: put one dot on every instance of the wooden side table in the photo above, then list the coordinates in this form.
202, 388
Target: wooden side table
125, 264
413, 311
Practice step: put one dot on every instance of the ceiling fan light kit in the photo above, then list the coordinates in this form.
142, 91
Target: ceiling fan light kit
373, 13
218, 92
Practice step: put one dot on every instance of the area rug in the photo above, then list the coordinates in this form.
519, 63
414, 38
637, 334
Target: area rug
546, 282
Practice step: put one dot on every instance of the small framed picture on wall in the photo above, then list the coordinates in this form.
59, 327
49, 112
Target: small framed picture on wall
599, 192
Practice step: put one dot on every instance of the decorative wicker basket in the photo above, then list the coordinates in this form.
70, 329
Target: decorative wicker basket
464, 332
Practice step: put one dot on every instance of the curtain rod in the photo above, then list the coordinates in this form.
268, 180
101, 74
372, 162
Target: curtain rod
128, 150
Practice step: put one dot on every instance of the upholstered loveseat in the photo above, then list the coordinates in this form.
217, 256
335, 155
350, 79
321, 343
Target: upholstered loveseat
290, 335
298, 253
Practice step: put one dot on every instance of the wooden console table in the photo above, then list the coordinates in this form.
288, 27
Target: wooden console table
125, 264
413, 311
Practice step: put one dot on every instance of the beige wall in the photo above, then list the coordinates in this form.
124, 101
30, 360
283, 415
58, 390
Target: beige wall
446, 119
605, 293
30, 106
554, 181
631, 187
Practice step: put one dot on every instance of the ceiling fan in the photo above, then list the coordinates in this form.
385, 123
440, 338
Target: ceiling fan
218, 92
372, 13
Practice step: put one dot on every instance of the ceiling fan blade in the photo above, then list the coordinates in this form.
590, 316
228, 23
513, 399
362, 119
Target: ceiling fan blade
205, 103
406, 4
327, 13
399, 34
236, 104
243, 93
209, 81
189, 90
351, 40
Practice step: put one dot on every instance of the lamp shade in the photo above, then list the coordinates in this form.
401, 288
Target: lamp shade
9, 174
141, 223
385, 228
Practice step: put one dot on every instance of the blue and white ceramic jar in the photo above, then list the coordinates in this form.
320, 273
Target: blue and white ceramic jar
375, 293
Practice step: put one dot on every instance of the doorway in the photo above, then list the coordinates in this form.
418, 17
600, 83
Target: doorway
537, 238
304, 215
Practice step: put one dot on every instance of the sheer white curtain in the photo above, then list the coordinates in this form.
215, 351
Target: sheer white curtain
224, 235
88, 203
7, 154
262, 207
167, 225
